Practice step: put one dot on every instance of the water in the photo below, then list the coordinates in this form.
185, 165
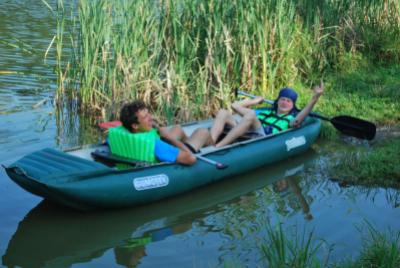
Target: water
221, 224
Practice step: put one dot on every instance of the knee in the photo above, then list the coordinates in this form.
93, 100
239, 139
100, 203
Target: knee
203, 131
177, 129
222, 113
250, 115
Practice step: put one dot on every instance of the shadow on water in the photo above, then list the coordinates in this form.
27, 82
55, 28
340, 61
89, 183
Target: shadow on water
52, 235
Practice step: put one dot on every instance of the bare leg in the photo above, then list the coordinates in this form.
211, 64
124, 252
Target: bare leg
223, 118
178, 133
249, 122
199, 138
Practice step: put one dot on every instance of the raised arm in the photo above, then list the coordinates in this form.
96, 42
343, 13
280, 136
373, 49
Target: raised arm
318, 90
239, 105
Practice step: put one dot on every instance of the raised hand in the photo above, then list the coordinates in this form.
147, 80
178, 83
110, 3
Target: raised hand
318, 90
258, 100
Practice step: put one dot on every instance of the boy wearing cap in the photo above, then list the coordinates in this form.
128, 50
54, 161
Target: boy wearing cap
281, 116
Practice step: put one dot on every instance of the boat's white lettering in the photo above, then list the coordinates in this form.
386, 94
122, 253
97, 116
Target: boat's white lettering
150, 182
293, 171
295, 142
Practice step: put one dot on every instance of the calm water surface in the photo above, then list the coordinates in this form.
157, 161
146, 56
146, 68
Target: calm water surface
221, 224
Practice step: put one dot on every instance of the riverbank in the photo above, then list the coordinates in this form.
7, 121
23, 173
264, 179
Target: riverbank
375, 166
364, 90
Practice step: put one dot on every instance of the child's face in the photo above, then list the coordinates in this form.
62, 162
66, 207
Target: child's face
145, 121
285, 105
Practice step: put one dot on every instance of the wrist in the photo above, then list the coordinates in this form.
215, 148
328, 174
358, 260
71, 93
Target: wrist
316, 96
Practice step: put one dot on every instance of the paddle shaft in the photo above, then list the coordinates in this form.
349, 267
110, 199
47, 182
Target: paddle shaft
218, 165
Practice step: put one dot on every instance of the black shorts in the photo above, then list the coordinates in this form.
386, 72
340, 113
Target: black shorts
190, 147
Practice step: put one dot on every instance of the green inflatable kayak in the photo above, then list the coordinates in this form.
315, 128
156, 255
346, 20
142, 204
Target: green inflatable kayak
55, 235
91, 178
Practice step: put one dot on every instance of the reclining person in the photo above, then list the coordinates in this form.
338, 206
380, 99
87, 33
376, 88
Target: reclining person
282, 116
139, 139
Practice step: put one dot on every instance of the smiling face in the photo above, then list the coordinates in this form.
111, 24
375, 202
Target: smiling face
285, 105
145, 121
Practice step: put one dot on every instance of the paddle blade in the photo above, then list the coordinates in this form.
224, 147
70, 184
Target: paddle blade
354, 127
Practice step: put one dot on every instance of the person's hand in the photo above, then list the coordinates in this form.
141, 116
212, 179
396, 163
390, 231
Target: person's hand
318, 90
258, 100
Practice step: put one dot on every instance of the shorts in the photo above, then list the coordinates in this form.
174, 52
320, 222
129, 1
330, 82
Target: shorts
260, 132
190, 147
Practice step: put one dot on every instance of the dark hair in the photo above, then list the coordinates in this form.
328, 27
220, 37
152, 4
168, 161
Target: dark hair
128, 113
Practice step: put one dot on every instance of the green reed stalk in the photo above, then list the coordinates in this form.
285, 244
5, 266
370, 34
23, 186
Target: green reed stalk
184, 57
59, 48
279, 251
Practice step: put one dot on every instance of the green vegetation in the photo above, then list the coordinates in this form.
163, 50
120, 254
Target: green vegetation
280, 251
379, 167
184, 57
379, 250
364, 91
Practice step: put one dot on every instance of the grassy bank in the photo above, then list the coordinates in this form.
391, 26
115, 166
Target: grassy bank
184, 57
365, 91
375, 166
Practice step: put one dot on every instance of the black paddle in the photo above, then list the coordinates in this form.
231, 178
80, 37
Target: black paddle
347, 125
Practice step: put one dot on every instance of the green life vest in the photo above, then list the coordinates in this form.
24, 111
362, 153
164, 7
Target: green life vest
271, 120
137, 146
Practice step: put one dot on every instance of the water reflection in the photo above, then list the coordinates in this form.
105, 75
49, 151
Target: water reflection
299, 201
60, 237
26, 29
28, 118
132, 250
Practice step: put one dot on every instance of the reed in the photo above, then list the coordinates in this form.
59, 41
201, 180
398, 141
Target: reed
184, 57
279, 251
380, 249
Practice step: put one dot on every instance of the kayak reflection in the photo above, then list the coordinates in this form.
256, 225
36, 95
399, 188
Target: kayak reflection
57, 237
133, 249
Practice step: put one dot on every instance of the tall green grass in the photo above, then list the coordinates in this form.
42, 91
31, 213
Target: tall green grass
184, 57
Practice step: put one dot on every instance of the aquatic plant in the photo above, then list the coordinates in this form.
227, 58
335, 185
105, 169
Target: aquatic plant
280, 251
380, 249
